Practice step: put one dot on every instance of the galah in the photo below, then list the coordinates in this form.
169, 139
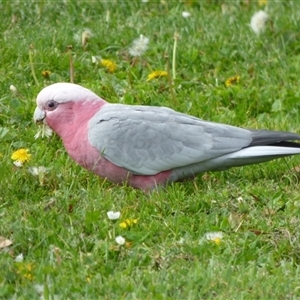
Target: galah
146, 146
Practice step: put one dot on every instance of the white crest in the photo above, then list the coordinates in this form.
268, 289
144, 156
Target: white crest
64, 92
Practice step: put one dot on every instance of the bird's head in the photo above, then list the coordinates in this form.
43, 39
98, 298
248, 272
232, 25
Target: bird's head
56, 101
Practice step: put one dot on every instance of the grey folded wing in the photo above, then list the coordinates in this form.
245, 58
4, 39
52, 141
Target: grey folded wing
148, 140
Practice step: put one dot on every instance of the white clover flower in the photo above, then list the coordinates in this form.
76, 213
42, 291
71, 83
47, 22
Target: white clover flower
18, 163
13, 90
120, 240
119, 89
39, 288
186, 14
139, 46
96, 59
113, 215
43, 131
215, 236
82, 37
19, 258
240, 199
259, 21
37, 171
181, 241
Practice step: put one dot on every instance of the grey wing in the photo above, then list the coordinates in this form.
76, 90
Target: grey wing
148, 140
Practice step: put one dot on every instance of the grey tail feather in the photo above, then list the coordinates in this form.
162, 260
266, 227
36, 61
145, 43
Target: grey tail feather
274, 138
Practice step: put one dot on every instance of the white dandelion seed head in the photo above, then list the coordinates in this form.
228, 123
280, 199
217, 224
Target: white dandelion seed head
259, 21
120, 240
139, 46
113, 215
186, 14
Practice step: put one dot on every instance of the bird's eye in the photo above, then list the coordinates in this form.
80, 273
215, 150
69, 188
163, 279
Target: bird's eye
51, 105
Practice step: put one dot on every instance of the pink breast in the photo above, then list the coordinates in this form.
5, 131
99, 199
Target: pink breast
72, 126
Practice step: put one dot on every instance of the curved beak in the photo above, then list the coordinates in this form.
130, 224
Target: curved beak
39, 115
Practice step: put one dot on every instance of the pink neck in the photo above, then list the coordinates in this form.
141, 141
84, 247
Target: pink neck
73, 116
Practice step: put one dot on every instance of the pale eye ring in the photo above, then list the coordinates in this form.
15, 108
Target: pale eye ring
51, 105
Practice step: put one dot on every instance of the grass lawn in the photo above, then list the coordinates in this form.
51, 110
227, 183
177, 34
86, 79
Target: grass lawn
62, 243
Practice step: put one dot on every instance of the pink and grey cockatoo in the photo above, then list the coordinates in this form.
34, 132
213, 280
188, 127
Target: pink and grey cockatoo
147, 146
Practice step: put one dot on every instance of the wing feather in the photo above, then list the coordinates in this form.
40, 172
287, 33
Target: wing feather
147, 140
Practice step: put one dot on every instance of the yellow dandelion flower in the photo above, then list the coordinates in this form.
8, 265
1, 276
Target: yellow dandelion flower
128, 223
22, 155
262, 2
217, 241
46, 73
109, 65
156, 74
232, 80
123, 225
25, 270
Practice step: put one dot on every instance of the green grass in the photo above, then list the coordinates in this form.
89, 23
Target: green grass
61, 227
